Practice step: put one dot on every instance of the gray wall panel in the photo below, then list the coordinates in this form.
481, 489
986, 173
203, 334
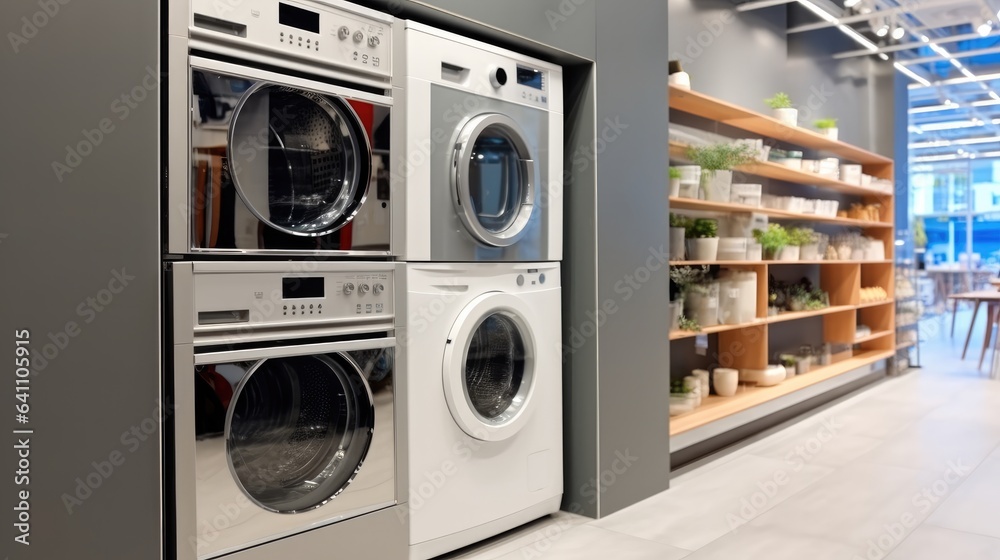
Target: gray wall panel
632, 229
738, 57
68, 236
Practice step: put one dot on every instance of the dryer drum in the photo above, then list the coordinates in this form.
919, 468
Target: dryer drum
299, 430
495, 366
313, 175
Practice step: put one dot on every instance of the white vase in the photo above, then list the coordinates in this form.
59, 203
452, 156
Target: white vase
702, 304
676, 309
717, 186
830, 133
703, 249
677, 244
680, 80
755, 252
725, 381
789, 372
789, 116
693, 385
675, 186
803, 366
809, 252
788, 253
703, 376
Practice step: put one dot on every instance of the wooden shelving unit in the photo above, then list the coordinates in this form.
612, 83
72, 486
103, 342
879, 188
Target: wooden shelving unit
771, 170
843, 280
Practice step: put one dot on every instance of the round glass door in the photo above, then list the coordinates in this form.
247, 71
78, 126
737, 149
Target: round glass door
298, 430
489, 368
493, 177
299, 160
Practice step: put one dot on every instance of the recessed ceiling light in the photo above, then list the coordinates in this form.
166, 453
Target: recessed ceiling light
985, 28
851, 3
898, 32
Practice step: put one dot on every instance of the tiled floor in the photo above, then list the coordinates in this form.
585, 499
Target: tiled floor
908, 470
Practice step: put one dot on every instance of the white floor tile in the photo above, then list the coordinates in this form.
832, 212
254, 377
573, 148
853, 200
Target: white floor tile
549, 527
935, 543
703, 508
587, 542
772, 544
973, 507
932, 443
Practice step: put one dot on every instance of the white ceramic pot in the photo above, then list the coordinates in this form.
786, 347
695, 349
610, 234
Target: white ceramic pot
809, 252
789, 253
693, 384
789, 116
680, 80
703, 377
732, 249
768, 377
676, 309
831, 133
703, 249
702, 304
755, 252
803, 366
717, 186
681, 403
725, 381
789, 372
675, 186
677, 244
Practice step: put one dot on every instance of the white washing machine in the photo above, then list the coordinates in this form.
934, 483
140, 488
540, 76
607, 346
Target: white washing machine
477, 153
279, 129
284, 431
479, 345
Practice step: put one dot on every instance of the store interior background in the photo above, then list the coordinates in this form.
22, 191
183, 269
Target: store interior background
615, 201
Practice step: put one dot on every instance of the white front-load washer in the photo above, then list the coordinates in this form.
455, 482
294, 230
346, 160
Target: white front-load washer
479, 344
477, 151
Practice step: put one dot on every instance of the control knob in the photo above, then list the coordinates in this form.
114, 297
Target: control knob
363, 289
343, 32
359, 36
498, 77
348, 288
378, 289
373, 41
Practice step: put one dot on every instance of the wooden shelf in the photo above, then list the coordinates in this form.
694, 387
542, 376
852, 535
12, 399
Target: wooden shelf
721, 111
780, 318
796, 315
875, 303
680, 203
779, 172
715, 407
874, 336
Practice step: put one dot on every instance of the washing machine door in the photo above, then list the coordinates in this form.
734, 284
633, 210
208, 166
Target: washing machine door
489, 367
493, 178
300, 160
298, 429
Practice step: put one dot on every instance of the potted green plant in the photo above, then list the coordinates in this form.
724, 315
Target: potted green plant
788, 362
798, 298
682, 277
675, 181
807, 240
701, 303
717, 162
703, 239
678, 235
827, 127
682, 398
677, 77
781, 105
773, 240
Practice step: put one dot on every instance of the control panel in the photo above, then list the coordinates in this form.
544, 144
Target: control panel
303, 29
265, 298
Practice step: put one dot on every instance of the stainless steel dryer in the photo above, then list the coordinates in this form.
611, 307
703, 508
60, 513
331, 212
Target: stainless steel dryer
285, 423
279, 129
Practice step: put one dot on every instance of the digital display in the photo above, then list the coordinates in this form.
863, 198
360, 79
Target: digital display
530, 77
301, 288
297, 17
